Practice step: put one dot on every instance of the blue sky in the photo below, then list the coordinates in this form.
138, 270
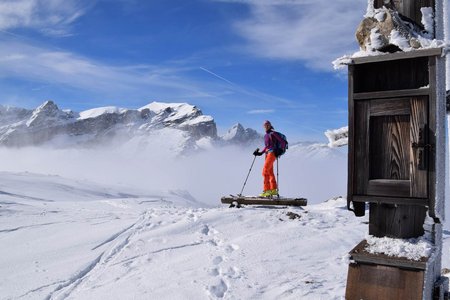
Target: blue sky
239, 61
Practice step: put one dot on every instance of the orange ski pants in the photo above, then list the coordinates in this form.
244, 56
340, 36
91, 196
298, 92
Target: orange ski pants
270, 183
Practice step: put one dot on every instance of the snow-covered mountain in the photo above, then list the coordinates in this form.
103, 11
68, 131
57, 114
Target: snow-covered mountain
242, 136
178, 127
49, 124
315, 150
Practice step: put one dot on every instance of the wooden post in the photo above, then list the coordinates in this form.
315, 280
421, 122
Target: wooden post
397, 122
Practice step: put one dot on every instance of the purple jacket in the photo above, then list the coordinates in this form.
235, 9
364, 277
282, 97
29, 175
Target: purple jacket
268, 142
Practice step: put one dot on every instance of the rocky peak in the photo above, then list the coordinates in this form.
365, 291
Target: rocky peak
48, 113
173, 113
9, 114
237, 130
237, 134
46, 123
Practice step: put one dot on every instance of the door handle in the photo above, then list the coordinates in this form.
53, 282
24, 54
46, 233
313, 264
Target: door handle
422, 149
421, 146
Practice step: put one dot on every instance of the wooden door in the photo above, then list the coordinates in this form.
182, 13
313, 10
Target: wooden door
391, 147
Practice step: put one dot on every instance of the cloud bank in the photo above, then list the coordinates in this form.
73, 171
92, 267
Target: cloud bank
44, 65
50, 17
207, 175
315, 32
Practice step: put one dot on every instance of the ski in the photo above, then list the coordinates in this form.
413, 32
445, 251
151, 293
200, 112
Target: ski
238, 200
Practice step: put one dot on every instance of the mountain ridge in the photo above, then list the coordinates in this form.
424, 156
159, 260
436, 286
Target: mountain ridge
180, 127
20, 127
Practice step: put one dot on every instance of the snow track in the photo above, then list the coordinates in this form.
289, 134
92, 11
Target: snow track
100, 264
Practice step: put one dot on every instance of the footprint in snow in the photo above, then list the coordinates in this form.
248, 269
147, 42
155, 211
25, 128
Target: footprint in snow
217, 260
214, 272
220, 289
213, 242
205, 230
231, 248
233, 273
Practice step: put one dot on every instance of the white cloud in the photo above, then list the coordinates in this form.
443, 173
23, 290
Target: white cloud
315, 32
50, 17
269, 2
136, 83
33, 63
261, 111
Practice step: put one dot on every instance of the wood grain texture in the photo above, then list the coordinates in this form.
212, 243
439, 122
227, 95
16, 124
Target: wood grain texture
432, 125
391, 75
358, 208
419, 118
377, 282
385, 163
396, 221
351, 141
389, 187
389, 147
361, 151
391, 94
390, 107
391, 200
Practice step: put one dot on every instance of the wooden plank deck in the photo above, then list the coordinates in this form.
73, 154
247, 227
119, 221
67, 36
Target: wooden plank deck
264, 201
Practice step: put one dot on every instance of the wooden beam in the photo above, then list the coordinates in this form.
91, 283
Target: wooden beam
391, 200
392, 94
397, 55
396, 221
265, 201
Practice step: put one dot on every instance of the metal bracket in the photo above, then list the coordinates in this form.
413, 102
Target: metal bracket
422, 149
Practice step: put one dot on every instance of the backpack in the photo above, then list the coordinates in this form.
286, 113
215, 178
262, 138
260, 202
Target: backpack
280, 143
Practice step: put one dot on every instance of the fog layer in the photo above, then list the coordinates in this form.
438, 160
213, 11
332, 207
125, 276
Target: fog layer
205, 175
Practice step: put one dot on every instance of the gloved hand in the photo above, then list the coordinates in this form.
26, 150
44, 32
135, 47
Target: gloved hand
257, 153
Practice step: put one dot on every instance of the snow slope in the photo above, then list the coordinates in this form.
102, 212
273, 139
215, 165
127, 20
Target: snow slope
69, 239
74, 239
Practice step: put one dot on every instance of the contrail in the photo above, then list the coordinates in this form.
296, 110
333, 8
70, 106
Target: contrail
10, 33
246, 91
218, 76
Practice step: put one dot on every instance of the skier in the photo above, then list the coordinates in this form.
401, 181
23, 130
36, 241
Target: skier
270, 184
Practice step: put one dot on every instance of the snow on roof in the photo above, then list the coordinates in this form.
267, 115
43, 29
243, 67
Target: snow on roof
425, 38
413, 249
95, 112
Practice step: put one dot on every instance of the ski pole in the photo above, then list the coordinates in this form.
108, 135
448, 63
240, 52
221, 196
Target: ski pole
245, 182
278, 181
